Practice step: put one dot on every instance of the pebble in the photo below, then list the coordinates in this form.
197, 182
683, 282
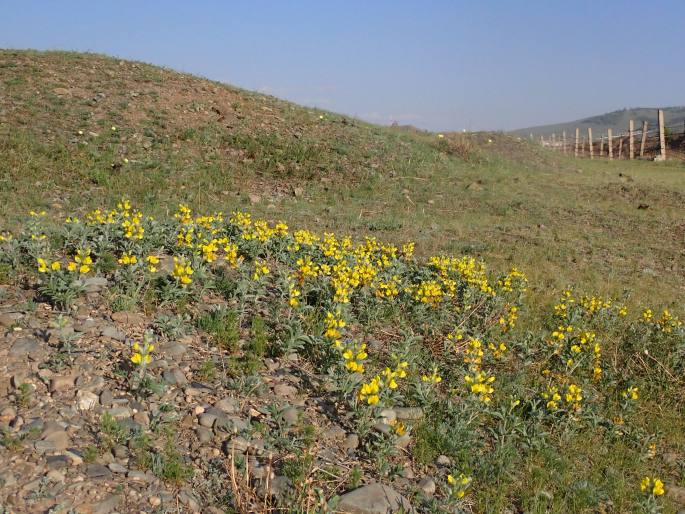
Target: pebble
443, 460
427, 486
86, 400
351, 442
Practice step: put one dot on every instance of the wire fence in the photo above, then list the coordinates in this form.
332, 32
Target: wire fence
646, 144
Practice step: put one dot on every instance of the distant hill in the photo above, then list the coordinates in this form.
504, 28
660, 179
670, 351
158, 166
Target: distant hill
616, 120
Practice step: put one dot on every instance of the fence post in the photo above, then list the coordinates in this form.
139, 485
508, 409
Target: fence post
662, 136
610, 141
644, 139
620, 145
589, 138
563, 141
631, 130
577, 141
601, 146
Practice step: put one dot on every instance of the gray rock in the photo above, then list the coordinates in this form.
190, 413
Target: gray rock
59, 439
174, 350
291, 416
26, 346
427, 486
334, 433
204, 435
443, 460
8, 319
113, 333
409, 413
57, 461
403, 441
128, 318
228, 405
175, 376
86, 400
285, 390
94, 284
136, 476
230, 424
186, 497
106, 398
383, 428
61, 383
7, 479
374, 499
107, 505
236, 445
98, 471
117, 468
207, 419
351, 442
120, 412
388, 416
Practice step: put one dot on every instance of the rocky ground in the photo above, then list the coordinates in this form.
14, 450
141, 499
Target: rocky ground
76, 438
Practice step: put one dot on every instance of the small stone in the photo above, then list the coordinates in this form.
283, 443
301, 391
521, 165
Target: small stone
59, 439
26, 346
136, 476
204, 435
55, 476
107, 505
383, 428
94, 284
57, 461
97, 471
290, 415
142, 418
676, 493
443, 460
117, 468
403, 441
128, 318
174, 350
106, 398
120, 412
374, 499
388, 416
113, 333
351, 442
7, 479
334, 433
86, 400
236, 445
427, 486
409, 413
61, 384
285, 390
228, 405
120, 452
155, 501
207, 420
175, 376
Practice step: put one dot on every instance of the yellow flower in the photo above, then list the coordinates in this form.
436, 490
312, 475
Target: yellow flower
42, 265
152, 261
653, 486
55, 266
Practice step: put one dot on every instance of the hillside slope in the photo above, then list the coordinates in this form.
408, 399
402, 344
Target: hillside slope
616, 120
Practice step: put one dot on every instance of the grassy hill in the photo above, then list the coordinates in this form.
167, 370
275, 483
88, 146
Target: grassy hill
617, 121
253, 321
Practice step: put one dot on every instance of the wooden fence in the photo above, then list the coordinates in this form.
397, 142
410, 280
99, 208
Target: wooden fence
654, 143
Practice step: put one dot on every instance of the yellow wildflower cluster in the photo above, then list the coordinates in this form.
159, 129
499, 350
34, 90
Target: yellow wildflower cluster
479, 383
354, 354
433, 378
508, 320
458, 485
631, 393
572, 397
43, 266
127, 259
142, 354
82, 261
668, 322
652, 486
182, 271
429, 292
152, 262
514, 280
260, 269
466, 268
370, 392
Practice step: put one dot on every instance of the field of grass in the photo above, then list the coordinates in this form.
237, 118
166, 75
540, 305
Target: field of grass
79, 132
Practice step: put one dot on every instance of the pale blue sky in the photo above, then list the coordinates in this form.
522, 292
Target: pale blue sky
442, 65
